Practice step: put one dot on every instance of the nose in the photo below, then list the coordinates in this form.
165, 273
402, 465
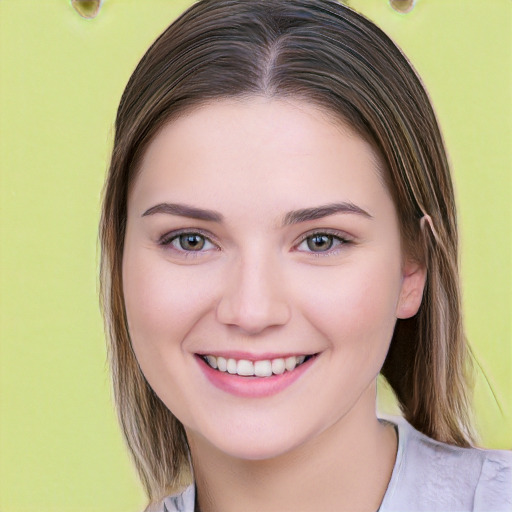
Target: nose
254, 296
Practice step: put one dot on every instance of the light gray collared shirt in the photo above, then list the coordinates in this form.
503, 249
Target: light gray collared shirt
428, 476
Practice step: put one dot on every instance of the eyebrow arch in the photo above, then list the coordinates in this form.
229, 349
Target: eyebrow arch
319, 212
293, 217
184, 210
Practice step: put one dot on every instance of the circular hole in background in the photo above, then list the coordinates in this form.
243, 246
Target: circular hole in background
87, 8
402, 6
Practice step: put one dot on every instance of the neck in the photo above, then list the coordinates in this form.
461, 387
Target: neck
346, 467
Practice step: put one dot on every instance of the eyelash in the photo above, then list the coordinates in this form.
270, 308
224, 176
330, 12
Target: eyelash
341, 239
168, 239
336, 236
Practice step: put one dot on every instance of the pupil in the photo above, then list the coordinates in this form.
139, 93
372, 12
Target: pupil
192, 242
320, 243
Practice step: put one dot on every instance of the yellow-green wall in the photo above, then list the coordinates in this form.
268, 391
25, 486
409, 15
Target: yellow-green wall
61, 77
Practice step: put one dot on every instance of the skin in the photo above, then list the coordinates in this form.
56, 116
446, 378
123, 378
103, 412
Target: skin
256, 286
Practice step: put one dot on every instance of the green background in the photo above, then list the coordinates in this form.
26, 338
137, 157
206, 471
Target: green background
61, 77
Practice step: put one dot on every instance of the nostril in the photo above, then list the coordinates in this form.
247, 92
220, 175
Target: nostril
253, 297
254, 317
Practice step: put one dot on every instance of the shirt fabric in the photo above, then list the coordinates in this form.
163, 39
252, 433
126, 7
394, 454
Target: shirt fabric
428, 476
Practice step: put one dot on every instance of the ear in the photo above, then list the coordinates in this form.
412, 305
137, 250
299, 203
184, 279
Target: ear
411, 293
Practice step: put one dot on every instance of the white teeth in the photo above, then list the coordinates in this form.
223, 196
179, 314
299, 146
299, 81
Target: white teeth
263, 368
278, 366
290, 363
222, 364
246, 368
212, 361
231, 365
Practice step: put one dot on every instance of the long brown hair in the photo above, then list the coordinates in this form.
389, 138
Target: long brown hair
328, 55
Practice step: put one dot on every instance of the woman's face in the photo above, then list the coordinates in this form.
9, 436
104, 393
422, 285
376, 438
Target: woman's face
260, 237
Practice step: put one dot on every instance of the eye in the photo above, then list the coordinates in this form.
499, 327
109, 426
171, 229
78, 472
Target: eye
321, 243
187, 242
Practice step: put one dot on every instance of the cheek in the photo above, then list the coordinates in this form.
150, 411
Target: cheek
163, 301
354, 307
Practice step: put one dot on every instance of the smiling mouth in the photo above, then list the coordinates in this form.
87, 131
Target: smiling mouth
263, 368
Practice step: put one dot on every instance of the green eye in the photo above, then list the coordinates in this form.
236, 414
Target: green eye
187, 242
320, 242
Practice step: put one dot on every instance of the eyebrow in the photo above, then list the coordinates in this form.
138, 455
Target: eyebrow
320, 212
184, 210
293, 217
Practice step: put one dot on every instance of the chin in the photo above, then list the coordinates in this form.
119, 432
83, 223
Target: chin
253, 445
257, 451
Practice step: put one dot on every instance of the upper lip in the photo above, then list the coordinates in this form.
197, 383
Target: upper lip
250, 356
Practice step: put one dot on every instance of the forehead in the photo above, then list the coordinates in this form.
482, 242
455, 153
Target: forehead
287, 151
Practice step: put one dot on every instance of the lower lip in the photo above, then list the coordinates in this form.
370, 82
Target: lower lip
253, 387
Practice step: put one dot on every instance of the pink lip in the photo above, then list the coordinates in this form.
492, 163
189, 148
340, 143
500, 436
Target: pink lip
252, 387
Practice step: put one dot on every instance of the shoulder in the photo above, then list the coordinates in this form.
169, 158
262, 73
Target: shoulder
181, 502
435, 476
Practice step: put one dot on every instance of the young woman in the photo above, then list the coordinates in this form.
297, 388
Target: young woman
279, 228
